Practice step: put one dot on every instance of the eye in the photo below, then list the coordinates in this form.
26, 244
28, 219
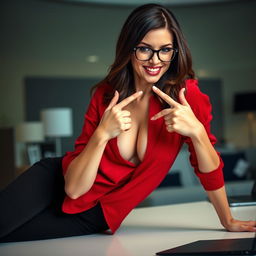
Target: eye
144, 49
166, 50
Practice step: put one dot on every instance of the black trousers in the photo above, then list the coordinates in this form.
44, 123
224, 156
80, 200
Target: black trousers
30, 207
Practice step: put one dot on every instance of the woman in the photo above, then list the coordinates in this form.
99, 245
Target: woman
138, 118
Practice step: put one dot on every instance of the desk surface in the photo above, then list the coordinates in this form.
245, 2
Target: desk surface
144, 232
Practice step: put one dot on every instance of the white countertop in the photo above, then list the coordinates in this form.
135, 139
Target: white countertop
144, 232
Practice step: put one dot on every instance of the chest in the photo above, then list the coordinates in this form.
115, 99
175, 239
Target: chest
132, 144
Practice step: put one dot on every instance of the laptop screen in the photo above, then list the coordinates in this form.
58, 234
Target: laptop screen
239, 246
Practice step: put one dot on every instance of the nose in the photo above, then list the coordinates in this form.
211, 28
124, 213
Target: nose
154, 58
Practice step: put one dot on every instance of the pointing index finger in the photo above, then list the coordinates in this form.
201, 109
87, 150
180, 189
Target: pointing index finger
129, 99
165, 97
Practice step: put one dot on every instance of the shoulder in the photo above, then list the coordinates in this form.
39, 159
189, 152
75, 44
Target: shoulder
98, 94
198, 101
97, 104
194, 95
101, 89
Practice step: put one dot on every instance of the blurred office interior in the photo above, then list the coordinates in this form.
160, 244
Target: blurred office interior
52, 52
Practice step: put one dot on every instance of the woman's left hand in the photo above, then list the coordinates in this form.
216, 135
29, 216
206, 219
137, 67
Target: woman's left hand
239, 226
179, 117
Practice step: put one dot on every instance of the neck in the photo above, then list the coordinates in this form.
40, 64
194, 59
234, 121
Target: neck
146, 88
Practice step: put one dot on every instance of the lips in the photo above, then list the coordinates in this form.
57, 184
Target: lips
152, 71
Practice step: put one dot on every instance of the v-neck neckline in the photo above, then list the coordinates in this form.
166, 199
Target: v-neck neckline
115, 142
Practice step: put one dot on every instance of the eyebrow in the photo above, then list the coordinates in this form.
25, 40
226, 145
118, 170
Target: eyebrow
160, 46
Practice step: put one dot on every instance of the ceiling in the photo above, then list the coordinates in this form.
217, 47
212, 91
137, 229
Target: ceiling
140, 2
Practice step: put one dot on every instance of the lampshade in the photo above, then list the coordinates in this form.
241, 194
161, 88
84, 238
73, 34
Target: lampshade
29, 132
245, 102
57, 122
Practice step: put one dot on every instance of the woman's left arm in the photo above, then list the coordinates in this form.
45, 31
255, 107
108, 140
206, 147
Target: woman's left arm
219, 200
181, 119
209, 160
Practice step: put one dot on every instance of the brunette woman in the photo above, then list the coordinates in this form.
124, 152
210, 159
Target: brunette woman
139, 117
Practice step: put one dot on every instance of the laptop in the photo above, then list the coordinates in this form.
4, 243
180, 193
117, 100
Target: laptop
243, 200
238, 246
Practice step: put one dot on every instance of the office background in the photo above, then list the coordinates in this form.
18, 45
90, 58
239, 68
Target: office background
56, 39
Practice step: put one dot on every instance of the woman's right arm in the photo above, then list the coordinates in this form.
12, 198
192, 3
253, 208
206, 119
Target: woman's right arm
82, 171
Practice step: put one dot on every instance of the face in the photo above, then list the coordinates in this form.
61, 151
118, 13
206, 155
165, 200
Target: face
148, 72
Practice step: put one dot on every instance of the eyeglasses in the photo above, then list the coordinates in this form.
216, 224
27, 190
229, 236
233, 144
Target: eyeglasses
165, 54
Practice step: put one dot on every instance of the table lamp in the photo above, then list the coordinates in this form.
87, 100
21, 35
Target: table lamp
245, 102
57, 123
30, 133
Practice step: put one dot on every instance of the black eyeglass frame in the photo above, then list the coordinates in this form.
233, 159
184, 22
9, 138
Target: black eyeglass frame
175, 51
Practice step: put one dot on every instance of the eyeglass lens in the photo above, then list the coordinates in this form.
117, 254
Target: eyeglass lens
146, 53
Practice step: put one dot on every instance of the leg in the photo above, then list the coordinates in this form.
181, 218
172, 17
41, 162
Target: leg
30, 193
52, 223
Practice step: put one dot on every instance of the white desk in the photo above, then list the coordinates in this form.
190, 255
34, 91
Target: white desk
144, 232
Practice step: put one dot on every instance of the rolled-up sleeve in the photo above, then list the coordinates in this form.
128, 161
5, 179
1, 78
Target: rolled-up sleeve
201, 106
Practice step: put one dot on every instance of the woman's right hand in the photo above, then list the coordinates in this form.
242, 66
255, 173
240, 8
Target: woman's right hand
116, 120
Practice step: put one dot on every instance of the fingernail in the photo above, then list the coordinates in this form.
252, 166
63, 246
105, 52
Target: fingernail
140, 92
154, 87
152, 118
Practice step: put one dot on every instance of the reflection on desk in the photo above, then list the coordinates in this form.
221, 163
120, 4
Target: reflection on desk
144, 232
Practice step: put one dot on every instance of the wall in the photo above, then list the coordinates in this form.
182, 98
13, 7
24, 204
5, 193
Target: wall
44, 38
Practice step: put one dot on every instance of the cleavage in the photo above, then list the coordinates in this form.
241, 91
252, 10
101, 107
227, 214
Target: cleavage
132, 144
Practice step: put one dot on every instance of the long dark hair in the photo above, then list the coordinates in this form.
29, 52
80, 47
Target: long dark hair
138, 24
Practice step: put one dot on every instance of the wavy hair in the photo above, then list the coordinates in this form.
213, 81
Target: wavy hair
142, 20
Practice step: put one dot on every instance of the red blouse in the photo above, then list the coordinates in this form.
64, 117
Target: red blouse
121, 185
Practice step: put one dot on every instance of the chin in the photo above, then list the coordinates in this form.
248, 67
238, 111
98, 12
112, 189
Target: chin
145, 78
153, 79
